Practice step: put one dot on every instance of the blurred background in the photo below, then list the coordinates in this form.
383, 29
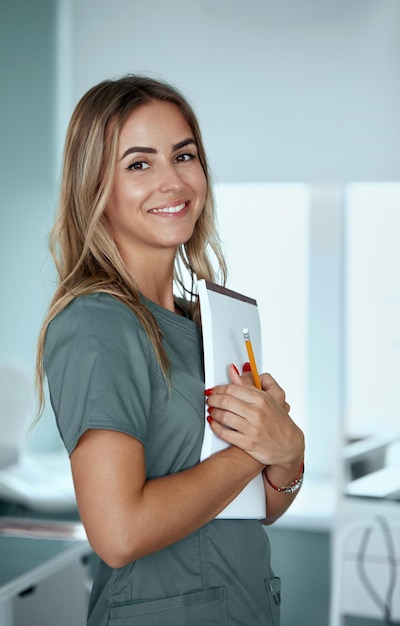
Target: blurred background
299, 105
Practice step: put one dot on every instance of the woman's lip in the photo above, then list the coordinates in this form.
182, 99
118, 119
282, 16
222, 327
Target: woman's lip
170, 209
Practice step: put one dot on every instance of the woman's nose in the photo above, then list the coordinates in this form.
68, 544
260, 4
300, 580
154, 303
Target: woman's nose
170, 179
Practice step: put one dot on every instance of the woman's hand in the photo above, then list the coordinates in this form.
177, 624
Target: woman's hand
257, 421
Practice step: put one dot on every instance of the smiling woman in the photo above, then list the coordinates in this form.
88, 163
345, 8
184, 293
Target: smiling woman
158, 192
122, 351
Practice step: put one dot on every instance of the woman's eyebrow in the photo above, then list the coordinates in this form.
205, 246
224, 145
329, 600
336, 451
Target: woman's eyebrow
182, 144
143, 149
138, 149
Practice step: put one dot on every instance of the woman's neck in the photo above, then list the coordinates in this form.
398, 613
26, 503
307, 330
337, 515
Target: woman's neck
157, 286
153, 272
163, 298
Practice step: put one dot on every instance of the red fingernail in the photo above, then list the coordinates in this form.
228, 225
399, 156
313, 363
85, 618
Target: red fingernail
210, 409
246, 367
209, 419
208, 392
236, 369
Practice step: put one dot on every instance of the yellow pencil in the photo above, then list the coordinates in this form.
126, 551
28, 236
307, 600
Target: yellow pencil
252, 360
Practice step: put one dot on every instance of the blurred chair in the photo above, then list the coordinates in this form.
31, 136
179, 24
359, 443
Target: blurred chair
372, 467
39, 481
366, 571
16, 395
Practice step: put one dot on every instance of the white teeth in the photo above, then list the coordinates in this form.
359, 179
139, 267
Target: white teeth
169, 209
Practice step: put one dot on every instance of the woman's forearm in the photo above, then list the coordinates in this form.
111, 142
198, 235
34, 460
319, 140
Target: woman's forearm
127, 516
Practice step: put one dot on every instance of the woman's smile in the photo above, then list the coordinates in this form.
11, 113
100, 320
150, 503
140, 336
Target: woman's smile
171, 210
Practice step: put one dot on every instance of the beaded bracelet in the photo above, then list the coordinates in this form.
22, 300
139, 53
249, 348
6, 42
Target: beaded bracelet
291, 487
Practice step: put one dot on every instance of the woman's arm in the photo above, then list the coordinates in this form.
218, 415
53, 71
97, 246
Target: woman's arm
259, 423
126, 516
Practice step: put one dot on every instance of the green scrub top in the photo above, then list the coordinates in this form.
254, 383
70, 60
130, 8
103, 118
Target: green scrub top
102, 373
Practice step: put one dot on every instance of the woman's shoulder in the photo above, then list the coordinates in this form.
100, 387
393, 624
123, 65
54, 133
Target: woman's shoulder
98, 314
99, 306
92, 326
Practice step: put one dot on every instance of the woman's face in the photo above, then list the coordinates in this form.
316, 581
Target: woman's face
159, 186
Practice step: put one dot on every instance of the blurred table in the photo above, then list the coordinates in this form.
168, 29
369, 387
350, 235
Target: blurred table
44, 572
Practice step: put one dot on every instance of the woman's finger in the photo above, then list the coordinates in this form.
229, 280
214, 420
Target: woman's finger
276, 392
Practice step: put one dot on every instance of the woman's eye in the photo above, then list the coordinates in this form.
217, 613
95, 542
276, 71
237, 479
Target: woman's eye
186, 156
138, 165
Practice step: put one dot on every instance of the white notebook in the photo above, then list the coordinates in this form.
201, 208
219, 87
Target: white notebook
224, 314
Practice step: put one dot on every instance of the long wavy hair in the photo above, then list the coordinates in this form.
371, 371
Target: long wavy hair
86, 256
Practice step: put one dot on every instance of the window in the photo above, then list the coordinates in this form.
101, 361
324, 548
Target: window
324, 266
265, 234
372, 309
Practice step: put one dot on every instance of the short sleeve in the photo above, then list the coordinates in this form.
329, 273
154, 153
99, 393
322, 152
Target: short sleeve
97, 359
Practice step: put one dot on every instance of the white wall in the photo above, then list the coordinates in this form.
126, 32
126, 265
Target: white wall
300, 90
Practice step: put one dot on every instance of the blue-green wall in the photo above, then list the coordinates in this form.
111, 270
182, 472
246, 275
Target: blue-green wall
27, 114
27, 173
302, 560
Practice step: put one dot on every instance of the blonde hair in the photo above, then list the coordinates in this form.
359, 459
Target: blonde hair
86, 257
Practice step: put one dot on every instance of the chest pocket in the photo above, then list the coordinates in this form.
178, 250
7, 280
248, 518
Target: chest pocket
200, 608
